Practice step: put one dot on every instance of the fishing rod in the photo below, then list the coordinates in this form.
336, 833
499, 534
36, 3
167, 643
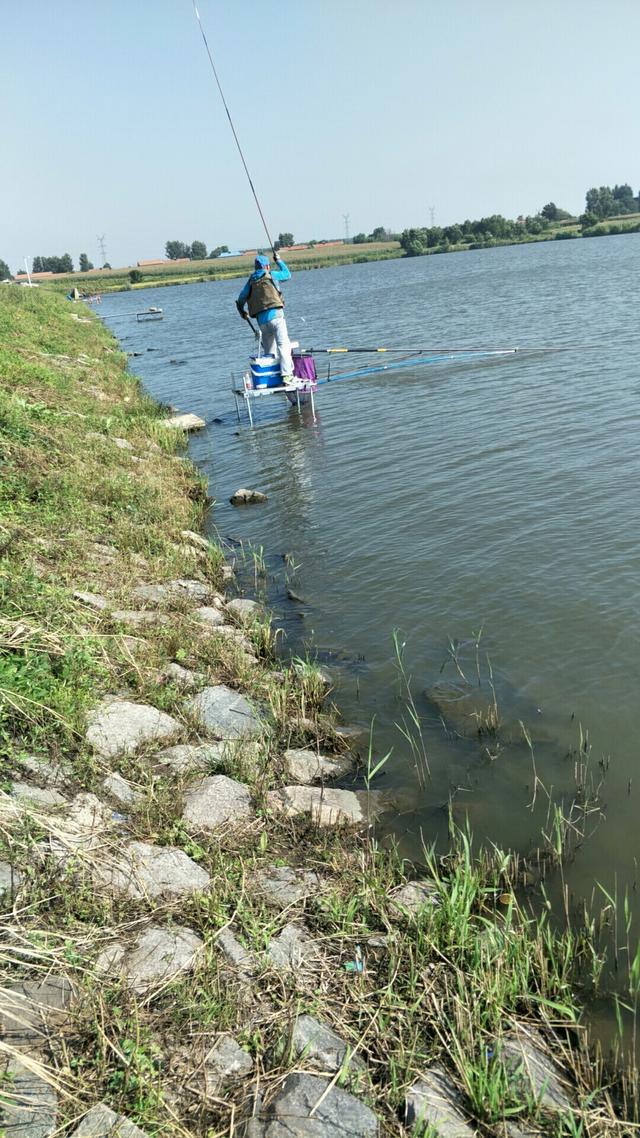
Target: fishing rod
449, 350
233, 129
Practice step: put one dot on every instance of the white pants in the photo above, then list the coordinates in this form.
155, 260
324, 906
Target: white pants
274, 335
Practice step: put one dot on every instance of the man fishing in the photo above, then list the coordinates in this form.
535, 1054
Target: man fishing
265, 301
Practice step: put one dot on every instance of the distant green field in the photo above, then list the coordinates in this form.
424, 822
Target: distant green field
219, 268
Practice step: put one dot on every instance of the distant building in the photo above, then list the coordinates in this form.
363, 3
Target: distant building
230, 253
147, 264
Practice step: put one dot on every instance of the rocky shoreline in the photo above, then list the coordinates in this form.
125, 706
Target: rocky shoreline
200, 934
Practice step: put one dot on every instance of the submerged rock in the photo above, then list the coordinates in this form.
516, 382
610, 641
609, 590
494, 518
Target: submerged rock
186, 422
246, 497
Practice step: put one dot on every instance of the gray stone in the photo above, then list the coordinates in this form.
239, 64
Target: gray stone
102, 1122
160, 954
182, 677
327, 807
532, 1072
414, 896
187, 422
518, 1130
87, 815
122, 444
30, 1107
185, 757
144, 870
40, 770
28, 1009
225, 713
292, 948
243, 609
138, 619
226, 1060
10, 877
235, 953
191, 590
81, 830
236, 635
117, 787
92, 600
36, 795
315, 1041
286, 886
178, 590
433, 1100
243, 497
119, 727
210, 616
303, 669
214, 801
196, 539
336, 1114
109, 961
350, 733
151, 594
305, 766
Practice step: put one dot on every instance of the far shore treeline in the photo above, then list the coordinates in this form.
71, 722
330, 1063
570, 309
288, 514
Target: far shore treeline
609, 210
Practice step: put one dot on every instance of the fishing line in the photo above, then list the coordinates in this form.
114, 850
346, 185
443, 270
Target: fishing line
224, 101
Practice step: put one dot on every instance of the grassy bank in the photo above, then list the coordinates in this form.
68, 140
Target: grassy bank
97, 502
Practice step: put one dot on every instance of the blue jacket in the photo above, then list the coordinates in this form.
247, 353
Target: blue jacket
281, 274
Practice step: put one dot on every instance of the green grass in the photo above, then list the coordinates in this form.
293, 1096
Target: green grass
442, 985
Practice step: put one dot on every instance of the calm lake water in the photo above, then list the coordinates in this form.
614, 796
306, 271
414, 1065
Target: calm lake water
496, 497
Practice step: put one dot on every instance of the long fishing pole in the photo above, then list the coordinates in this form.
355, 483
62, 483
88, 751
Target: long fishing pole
451, 351
233, 129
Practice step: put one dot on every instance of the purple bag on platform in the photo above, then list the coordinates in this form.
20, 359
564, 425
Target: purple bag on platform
304, 367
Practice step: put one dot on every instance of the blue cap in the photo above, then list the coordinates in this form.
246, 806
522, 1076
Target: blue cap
261, 262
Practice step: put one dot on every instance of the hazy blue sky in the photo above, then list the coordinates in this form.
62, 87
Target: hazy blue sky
110, 122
